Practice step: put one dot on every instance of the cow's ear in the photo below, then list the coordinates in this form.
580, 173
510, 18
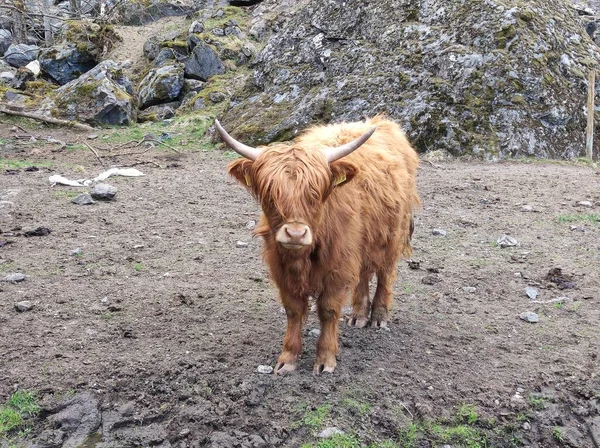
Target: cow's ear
342, 172
240, 169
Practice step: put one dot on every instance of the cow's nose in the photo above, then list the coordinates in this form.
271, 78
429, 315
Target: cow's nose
294, 235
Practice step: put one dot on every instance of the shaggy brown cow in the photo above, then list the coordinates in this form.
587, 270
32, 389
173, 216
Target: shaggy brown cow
333, 215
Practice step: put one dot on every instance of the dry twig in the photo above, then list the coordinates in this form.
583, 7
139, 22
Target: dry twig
95, 153
48, 120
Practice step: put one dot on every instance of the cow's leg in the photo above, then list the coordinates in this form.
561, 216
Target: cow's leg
329, 307
360, 303
296, 310
382, 300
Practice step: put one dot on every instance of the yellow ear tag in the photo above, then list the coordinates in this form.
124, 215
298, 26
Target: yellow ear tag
248, 181
341, 178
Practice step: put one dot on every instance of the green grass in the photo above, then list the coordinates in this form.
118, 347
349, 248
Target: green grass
348, 441
538, 403
358, 407
462, 435
14, 164
19, 406
557, 434
467, 414
408, 436
592, 218
138, 267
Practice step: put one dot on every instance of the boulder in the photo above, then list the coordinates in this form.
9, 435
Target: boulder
159, 112
492, 79
166, 55
151, 49
5, 40
66, 62
103, 95
160, 85
203, 63
23, 75
19, 55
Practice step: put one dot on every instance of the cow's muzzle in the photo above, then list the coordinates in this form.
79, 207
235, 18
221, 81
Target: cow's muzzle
294, 235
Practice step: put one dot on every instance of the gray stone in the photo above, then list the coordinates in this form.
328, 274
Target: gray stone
19, 55
14, 278
469, 289
20, 79
104, 192
165, 56
532, 293
151, 49
107, 99
82, 199
585, 204
192, 85
329, 432
507, 241
241, 244
439, 232
203, 63
161, 85
77, 251
196, 27
5, 40
529, 316
23, 306
66, 62
265, 369
217, 97
527, 208
158, 112
250, 225
315, 333
7, 77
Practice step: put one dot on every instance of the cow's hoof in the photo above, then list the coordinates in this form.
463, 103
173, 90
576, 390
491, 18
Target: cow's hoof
378, 324
283, 368
357, 322
323, 368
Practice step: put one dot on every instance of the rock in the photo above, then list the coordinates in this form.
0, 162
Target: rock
23, 306
518, 402
315, 333
7, 77
76, 252
527, 208
65, 62
529, 316
329, 431
507, 241
14, 278
469, 289
82, 199
196, 27
250, 225
265, 369
203, 63
19, 55
38, 231
5, 40
431, 279
158, 112
241, 244
217, 97
78, 417
165, 56
439, 232
526, 426
441, 69
161, 85
572, 437
104, 192
532, 293
20, 79
103, 95
151, 49
192, 85
585, 204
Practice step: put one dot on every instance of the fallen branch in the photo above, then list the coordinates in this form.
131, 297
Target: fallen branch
160, 143
48, 120
16, 126
95, 153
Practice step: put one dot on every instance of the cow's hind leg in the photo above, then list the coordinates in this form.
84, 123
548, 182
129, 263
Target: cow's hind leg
296, 310
329, 307
382, 300
360, 303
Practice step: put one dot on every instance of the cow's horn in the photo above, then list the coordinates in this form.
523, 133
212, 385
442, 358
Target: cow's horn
334, 154
247, 151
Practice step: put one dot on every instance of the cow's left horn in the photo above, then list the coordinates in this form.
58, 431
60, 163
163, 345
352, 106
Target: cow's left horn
247, 151
334, 154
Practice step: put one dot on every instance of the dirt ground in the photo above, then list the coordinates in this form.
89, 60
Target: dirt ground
152, 335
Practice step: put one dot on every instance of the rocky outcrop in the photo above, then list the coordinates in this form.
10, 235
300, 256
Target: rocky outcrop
66, 62
161, 85
203, 63
484, 76
19, 55
103, 95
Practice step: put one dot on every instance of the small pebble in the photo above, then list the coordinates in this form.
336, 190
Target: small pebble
77, 251
532, 293
265, 369
585, 204
23, 306
14, 278
241, 244
529, 316
469, 289
520, 390
527, 208
329, 431
315, 332
440, 232
526, 426
251, 225
507, 241
92, 136
82, 199
105, 301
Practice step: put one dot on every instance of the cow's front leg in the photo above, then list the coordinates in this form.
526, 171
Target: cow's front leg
295, 309
329, 308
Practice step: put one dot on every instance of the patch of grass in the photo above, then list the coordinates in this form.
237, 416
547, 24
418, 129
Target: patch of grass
348, 441
20, 405
356, 406
66, 194
592, 218
18, 164
408, 288
107, 315
138, 267
408, 436
313, 418
557, 434
467, 414
461, 435
537, 402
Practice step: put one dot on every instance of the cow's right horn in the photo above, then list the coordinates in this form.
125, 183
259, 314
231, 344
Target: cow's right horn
334, 154
244, 150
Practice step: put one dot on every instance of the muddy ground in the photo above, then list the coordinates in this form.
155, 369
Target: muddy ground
152, 335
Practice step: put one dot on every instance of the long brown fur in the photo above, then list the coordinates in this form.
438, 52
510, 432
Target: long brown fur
361, 227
